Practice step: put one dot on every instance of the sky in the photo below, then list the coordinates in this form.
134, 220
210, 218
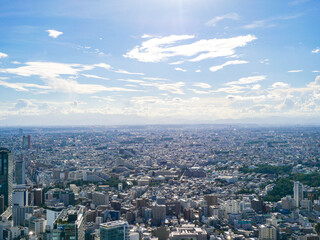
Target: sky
117, 62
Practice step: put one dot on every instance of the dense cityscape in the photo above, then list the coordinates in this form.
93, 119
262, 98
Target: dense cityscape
160, 182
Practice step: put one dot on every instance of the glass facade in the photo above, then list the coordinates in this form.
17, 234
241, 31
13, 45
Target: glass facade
117, 230
6, 175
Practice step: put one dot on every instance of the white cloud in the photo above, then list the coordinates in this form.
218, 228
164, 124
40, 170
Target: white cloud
108, 99
256, 87
213, 22
103, 65
126, 72
247, 80
295, 71
317, 50
180, 69
132, 80
219, 67
3, 55
47, 69
146, 36
202, 85
176, 63
52, 74
174, 88
15, 62
232, 89
54, 33
108, 67
155, 78
246, 98
23, 86
199, 91
94, 76
316, 71
198, 71
280, 85
162, 48
265, 61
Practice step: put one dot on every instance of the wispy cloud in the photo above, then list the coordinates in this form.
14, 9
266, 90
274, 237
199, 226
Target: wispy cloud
176, 63
247, 80
202, 85
3, 55
155, 78
295, 71
54, 75
180, 69
174, 88
54, 33
317, 50
270, 22
126, 72
219, 67
162, 48
23, 86
213, 22
94, 76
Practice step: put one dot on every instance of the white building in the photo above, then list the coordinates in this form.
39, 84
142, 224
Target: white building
297, 193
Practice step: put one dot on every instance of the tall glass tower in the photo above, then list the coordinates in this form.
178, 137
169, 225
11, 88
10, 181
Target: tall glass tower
6, 175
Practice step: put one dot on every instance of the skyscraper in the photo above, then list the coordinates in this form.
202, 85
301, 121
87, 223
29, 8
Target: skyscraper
116, 230
26, 142
297, 193
19, 172
6, 175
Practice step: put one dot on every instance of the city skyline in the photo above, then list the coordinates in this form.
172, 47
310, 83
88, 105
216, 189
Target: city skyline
159, 62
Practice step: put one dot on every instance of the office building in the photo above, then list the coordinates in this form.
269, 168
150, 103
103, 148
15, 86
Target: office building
26, 142
158, 214
69, 224
19, 172
100, 198
19, 214
6, 175
20, 197
267, 233
115, 230
297, 193
37, 196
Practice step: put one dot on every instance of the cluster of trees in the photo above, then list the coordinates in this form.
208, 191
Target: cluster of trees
284, 186
267, 169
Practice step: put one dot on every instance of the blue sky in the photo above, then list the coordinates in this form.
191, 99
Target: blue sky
159, 61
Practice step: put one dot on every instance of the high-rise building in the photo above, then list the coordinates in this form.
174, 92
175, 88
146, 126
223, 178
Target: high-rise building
20, 197
19, 214
19, 172
69, 224
267, 233
297, 193
37, 196
158, 214
26, 142
115, 230
6, 175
